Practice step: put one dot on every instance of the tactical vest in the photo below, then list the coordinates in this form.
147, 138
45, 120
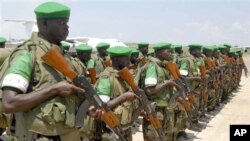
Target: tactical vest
125, 110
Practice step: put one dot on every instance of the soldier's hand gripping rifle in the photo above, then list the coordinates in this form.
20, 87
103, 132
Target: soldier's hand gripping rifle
145, 104
55, 59
181, 97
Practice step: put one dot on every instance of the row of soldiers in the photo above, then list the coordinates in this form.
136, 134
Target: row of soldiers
43, 88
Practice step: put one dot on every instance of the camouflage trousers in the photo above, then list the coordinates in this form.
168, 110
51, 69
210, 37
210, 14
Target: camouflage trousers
166, 117
211, 98
198, 105
180, 120
226, 86
112, 137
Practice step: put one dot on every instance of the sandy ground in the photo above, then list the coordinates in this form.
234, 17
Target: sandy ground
235, 111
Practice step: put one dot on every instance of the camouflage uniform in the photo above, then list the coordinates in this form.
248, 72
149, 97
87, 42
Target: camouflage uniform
154, 72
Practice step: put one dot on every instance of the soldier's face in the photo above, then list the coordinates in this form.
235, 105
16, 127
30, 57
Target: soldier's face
208, 54
58, 29
123, 61
223, 51
167, 54
216, 54
144, 50
134, 58
84, 56
197, 53
103, 52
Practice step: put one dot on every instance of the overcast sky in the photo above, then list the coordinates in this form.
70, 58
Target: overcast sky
175, 21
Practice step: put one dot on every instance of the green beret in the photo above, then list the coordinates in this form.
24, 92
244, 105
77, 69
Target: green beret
83, 48
161, 46
103, 45
215, 49
222, 47
239, 51
195, 46
227, 45
117, 51
2, 40
65, 45
176, 46
232, 51
135, 51
51, 10
143, 44
208, 48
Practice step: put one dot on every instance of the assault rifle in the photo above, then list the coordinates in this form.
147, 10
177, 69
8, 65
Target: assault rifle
184, 90
56, 60
145, 104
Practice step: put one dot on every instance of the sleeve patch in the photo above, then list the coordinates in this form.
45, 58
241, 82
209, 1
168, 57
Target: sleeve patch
184, 72
150, 81
16, 81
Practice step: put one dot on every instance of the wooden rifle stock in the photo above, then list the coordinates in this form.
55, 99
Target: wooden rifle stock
174, 71
128, 78
56, 60
92, 74
108, 63
191, 98
203, 71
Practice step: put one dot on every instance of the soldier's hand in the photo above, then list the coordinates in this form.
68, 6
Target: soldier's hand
95, 113
172, 83
129, 96
64, 88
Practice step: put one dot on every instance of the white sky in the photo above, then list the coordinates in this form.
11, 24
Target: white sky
175, 21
